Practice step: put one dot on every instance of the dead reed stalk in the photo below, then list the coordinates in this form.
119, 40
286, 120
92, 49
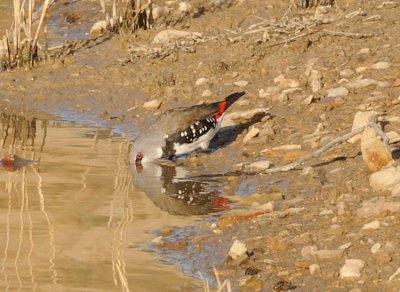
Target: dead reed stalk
16, 50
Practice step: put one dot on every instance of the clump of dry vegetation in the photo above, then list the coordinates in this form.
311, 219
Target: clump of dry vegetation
20, 45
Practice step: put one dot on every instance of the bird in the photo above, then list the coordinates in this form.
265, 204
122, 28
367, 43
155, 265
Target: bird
181, 130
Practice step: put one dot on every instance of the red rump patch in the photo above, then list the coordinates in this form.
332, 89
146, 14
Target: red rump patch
221, 110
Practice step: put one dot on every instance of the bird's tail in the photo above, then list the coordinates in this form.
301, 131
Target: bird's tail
227, 102
230, 99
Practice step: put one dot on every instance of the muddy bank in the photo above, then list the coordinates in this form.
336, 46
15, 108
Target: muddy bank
314, 70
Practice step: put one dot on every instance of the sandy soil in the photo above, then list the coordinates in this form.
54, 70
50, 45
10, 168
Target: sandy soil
110, 82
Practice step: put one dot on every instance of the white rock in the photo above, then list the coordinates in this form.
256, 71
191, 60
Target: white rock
360, 120
341, 209
375, 153
168, 35
260, 165
268, 91
315, 81
291, 90
308, 100
371, 225
385, 179
337, 92
152, 104
364, 51
396, 190
251, 134
201, 81
236, 117
346, 73
185, 7
206, 93
158, 240
384, 84
376, 247
286, 83
326, 212
159, 11
367, 82
237, 249
361, 69
287, 147
328, 255
308, 251
374, 209
241, 83
345, 246
381, 65
314, 268
393, 136
352, 268
98, 28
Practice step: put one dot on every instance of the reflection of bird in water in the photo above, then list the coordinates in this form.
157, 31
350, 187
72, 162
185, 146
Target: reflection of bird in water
171, 191
14, 162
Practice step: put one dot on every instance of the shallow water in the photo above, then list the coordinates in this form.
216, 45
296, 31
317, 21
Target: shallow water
73, 220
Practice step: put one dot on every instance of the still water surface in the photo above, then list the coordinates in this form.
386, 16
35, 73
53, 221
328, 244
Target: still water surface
70, 217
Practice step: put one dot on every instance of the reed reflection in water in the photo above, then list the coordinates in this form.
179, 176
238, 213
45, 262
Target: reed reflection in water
65, 207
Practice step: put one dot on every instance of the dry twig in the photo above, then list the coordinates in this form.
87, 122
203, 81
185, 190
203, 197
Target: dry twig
326, 147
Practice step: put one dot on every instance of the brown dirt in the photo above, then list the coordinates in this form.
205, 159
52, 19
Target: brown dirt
96, 84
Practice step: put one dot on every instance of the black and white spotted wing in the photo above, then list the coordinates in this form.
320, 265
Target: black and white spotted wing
189, 135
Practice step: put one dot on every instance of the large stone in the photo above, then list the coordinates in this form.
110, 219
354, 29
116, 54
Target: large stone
362, 119
375, 153
385, 179
352, 269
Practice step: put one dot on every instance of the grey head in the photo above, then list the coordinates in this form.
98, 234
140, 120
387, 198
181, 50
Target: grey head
147, 147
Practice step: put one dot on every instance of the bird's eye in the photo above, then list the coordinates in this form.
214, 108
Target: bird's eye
139, 156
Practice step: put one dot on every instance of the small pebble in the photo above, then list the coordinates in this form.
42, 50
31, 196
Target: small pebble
352, 268
201, 81
241, 83
372, 225
314, 268
381, 65
364, 51
376, 247
152, 105
237, 249
251, 134
206, 93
